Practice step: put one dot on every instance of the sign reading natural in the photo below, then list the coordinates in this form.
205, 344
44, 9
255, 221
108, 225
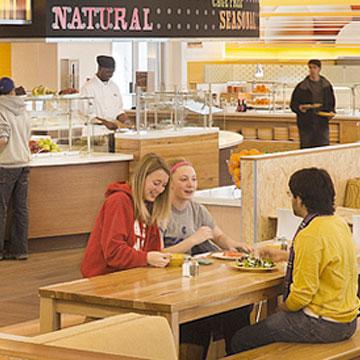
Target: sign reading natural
153, 18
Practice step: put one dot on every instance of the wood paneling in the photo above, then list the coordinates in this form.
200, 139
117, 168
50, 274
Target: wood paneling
64, 200
228, 218
201, 150
41, 58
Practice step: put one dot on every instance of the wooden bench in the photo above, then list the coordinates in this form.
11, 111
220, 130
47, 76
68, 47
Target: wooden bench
349, 349
124, 336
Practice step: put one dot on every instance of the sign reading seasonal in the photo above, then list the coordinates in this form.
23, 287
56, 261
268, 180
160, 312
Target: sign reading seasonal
152, 18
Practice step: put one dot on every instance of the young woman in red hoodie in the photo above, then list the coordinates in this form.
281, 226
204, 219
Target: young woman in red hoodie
126, 233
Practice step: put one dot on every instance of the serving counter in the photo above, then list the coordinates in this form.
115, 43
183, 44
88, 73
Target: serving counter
200, 146
277, 131
274, 131
67, 190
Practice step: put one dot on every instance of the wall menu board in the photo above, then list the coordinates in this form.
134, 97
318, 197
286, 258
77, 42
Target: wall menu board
15, 12
152, 18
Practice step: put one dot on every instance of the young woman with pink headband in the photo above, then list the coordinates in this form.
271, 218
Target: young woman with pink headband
191, 229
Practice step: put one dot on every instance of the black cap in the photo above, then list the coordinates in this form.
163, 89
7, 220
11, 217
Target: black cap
315, 62
104, 61
6, 85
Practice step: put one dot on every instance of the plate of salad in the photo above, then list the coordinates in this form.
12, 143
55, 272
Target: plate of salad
253, 263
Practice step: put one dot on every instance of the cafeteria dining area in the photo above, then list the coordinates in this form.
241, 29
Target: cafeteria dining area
179, 181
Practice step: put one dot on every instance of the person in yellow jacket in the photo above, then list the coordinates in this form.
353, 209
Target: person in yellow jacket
320, 288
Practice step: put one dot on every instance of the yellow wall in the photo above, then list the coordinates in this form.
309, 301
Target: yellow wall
5, 59
235, 51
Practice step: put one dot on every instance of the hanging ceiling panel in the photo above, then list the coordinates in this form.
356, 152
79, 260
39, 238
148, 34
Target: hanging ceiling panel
321, 22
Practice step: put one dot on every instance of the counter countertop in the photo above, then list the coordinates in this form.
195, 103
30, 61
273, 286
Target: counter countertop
283, 115
226, 138
220, 196
158, 134
267, 114
229, 139
58, 159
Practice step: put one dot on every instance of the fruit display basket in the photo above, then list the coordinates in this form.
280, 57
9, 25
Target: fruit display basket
234, 163
60, 123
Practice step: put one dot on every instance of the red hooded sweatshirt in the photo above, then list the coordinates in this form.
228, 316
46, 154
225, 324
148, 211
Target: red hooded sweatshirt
118, 241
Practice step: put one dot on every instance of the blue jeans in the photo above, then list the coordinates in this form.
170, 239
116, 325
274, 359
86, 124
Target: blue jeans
295, 327
13, 191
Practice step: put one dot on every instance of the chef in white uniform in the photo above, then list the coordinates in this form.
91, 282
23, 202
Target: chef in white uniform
108, 104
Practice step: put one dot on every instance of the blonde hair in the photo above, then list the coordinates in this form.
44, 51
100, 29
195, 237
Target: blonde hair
161, 206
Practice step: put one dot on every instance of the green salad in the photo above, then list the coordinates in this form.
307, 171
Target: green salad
254, 262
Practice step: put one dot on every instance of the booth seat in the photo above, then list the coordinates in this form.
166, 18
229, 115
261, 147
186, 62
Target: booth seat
133, 335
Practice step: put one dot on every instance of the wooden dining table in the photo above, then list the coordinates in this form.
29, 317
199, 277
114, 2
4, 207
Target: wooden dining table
160, 291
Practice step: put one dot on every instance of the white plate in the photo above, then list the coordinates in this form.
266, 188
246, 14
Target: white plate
221, 256
40, 97
255, 269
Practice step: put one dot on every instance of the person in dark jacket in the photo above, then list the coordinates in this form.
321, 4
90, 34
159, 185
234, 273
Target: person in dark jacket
310, 97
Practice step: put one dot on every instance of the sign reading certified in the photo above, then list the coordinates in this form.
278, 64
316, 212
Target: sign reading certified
153, 18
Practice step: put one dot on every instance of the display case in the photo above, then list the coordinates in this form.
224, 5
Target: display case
259, 95
266, 95
61, 124
174, 110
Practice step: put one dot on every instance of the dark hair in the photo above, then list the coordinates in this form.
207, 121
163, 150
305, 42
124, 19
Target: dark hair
315, 62
315, 189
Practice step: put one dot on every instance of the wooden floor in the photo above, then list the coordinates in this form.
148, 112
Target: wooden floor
20, 280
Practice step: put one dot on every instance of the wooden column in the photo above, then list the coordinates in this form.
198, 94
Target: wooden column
201, 150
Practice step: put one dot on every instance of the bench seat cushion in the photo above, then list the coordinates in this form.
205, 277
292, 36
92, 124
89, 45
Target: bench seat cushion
130, 334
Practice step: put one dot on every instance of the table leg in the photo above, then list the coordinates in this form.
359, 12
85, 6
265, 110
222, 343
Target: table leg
173, 319
49, 318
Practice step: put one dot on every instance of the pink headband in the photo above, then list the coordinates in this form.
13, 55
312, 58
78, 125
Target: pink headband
178, 165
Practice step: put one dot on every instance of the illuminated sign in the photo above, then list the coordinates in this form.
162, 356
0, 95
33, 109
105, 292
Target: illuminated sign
153, 18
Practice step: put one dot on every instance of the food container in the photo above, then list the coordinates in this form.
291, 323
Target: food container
177, 259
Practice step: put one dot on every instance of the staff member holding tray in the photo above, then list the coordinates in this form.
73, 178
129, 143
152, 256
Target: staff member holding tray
313, 102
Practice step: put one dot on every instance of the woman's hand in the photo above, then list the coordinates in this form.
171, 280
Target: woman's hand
157, 258
202, 234
239, 246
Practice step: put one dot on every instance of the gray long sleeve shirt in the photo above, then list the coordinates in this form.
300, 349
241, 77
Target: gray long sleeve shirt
15, 126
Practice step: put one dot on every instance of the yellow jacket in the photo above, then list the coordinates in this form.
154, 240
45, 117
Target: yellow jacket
325, 276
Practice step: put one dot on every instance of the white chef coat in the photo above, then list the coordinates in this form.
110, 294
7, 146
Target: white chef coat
108, 102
